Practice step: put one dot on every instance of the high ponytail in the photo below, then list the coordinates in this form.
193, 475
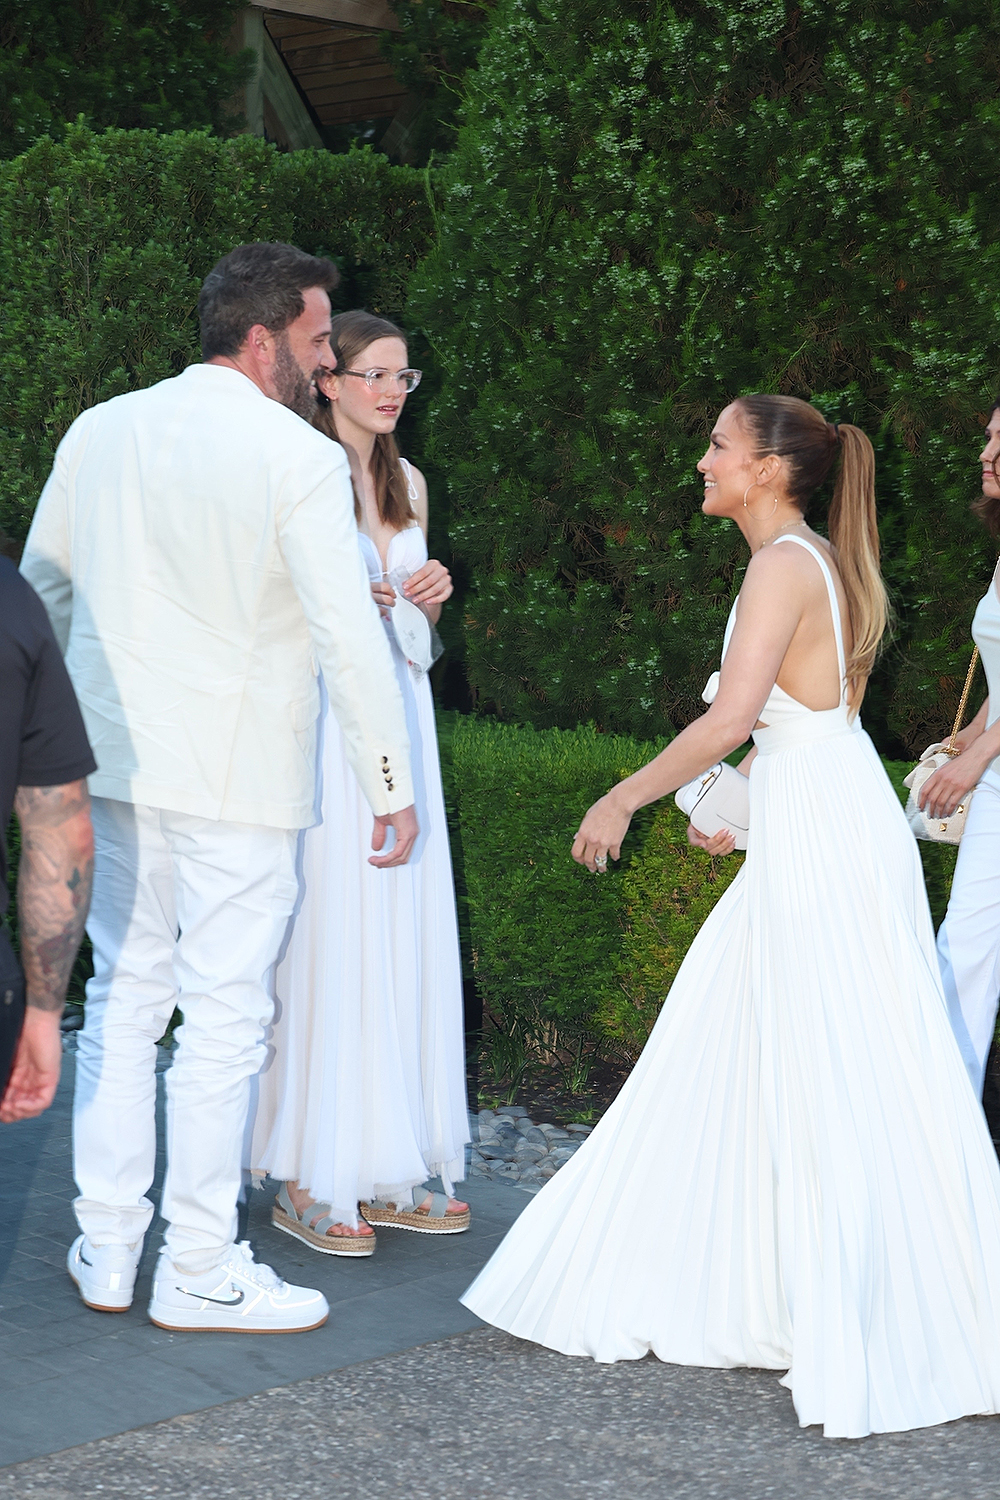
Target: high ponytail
853, 530
810, 446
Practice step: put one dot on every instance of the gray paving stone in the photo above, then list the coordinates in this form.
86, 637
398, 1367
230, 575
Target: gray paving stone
69, 1375
483, 1416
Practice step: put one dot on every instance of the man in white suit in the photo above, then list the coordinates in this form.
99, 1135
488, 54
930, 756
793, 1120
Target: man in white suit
196, 550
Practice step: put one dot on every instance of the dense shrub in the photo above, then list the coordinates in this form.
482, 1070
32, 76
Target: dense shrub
544, 932
667, 890
571, 965
104, 240
655, 205
157, 64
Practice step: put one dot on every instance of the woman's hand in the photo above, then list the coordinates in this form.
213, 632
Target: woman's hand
722, 842
941, 793
384, 595
429, 585
601, 834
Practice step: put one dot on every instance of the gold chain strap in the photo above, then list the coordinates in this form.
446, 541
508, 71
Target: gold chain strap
961, 707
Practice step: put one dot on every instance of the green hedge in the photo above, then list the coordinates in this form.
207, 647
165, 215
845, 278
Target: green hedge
104, 241
570, 965
655, 205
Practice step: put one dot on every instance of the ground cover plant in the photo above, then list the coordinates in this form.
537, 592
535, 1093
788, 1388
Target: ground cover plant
104, 241
652, 206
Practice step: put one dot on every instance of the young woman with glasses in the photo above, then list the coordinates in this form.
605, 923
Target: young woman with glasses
363, 1098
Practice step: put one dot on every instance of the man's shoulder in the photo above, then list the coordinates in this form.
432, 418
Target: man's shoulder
22, 613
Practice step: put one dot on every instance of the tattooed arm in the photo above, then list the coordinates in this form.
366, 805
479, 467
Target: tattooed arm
53, 897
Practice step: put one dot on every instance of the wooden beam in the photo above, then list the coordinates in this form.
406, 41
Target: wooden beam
368, 69
365, 109
329, 53
370, 15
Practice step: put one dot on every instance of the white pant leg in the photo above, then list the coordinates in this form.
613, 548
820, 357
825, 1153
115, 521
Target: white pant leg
235, 888
969, 937
130, 1000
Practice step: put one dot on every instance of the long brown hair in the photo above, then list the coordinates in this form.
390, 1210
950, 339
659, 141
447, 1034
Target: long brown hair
986, 507
352, 333
810, 445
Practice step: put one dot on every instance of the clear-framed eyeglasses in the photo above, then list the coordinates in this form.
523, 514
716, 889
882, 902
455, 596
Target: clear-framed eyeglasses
385, 380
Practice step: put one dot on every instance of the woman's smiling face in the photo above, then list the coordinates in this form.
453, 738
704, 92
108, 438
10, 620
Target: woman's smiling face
990, 457
728, 466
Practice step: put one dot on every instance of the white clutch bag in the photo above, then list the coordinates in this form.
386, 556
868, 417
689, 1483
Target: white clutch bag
415, 635
718, 799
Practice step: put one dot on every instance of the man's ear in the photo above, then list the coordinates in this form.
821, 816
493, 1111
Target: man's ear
259, 344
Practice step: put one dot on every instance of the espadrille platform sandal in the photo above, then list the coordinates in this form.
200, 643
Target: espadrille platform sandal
285, 1218
435, 1219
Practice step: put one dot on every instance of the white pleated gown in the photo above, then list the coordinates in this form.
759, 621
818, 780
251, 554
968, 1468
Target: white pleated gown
797, 1175
363, 1091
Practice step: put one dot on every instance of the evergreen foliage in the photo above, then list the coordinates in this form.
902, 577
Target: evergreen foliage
571, 965
436, 45
104, 242
655, 205
544, 933
160, 64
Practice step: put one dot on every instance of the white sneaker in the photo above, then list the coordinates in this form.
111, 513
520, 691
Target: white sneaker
239, 1296
105, 1274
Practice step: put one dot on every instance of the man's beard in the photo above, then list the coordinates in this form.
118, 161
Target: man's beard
295, 388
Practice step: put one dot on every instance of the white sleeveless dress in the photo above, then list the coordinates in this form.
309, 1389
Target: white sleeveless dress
797, 1175
363, 1091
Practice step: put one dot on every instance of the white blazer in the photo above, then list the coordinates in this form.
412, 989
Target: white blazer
196, 550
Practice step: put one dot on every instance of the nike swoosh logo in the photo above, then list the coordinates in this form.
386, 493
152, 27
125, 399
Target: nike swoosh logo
222, 1301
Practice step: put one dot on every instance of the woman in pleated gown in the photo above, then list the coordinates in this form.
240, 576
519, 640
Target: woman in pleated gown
797, 1175
362, 1097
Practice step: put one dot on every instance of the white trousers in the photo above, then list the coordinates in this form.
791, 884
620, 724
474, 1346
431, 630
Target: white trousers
969, 936
191, 913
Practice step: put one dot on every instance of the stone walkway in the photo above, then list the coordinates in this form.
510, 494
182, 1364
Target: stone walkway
484, 1417
69, 1375
402, 1396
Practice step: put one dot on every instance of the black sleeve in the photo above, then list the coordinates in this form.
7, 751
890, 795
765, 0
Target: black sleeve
54, 744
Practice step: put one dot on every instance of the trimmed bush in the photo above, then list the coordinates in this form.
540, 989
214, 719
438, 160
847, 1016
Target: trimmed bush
569, 964
667, 890
168, 65
105, 239
544, 932
653, 206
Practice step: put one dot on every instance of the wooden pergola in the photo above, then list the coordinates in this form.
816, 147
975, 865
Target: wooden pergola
320, 64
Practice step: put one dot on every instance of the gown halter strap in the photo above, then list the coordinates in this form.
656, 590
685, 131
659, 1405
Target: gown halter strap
411, 489
838, 633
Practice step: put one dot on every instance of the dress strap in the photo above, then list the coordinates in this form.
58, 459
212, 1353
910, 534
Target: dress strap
838, 633
411, 489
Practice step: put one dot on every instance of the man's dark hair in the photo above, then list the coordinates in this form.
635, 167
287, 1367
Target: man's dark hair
253, 284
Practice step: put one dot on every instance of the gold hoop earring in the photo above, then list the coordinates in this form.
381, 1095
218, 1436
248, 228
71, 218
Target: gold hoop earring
746, 507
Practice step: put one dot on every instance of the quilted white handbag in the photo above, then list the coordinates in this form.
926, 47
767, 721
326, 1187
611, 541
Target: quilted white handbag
940, 830
718, 798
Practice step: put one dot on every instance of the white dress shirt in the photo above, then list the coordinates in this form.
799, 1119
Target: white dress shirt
196, 550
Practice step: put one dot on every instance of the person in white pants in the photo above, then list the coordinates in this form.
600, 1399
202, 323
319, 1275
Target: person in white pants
196, 550
969, 936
